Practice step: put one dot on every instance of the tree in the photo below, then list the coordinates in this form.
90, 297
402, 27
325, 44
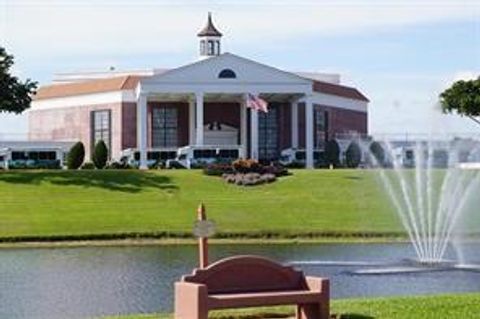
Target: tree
378, 153
353, 155
15, 96
462, 97
76, 156
332, 153
100, 155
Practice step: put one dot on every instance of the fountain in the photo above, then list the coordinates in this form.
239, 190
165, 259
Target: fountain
430, 190
429, 194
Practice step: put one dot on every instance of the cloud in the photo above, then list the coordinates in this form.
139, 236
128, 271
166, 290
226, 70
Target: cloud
70, 28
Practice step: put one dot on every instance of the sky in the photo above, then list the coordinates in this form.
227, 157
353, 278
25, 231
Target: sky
401, 54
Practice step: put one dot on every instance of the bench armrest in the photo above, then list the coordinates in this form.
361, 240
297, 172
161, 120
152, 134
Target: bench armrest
318, 284
190, 299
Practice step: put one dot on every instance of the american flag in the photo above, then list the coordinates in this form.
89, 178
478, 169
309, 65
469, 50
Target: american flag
256, 103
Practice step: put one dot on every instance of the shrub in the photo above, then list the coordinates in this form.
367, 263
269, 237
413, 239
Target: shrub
247, 166
100, 155
88, 165
353, 155
275, 170
217, 169
378, 153
332, 153
76, 156
118, 165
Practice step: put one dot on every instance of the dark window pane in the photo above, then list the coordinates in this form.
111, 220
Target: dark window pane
164, 127
268, 131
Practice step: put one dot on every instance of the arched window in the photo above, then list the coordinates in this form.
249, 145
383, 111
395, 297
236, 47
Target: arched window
202, 47
227, 74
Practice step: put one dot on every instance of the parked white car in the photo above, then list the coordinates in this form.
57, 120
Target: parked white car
199, 156
297, 156
131, 156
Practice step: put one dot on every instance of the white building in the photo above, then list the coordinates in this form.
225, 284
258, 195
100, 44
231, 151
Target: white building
200, 103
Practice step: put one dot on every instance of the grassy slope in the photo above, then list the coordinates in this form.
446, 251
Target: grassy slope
97, 202
465, 306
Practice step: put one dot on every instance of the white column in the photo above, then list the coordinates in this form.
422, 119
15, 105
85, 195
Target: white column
309, 133
294, 124
253, 134
142, 130
199, 118
191, 122
243, 128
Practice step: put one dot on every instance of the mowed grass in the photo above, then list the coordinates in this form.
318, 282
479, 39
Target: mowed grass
57, 203
465, 306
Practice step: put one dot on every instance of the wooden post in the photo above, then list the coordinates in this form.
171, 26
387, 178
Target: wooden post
202, 241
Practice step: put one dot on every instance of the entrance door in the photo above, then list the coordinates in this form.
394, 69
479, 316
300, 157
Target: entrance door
268, 134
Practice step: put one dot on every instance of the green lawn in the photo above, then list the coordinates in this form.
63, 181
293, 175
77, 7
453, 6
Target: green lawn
465, 306
46, 203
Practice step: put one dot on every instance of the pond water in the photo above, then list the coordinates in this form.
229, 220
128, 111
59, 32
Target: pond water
95, 281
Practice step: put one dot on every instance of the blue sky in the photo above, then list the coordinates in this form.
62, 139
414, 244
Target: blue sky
399, 53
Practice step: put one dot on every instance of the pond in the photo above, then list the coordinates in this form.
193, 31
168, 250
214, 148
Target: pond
95, 281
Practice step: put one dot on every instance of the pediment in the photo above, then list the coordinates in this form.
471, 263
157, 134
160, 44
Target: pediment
208, 71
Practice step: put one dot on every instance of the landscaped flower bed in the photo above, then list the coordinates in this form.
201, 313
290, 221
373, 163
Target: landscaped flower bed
246, 172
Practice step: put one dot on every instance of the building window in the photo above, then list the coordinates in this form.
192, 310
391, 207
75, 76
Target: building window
101, 128
268, 133
218, 47
202, 47
164, 127
227, 74
321, 127
211, 47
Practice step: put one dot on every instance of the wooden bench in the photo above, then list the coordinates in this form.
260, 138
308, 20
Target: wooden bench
250, 281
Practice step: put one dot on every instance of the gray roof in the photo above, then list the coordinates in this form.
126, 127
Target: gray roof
209, 29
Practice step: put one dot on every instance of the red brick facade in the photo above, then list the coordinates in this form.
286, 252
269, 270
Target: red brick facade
74, 123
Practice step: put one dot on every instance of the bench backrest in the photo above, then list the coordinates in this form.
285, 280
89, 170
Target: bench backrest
247, 274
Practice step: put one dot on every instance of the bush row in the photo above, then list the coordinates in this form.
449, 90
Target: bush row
266, 234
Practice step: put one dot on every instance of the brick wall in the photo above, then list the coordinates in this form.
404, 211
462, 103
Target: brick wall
340, 121
73, 124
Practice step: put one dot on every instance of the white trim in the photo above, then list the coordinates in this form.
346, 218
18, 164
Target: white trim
85, 99
199, 118
339, 102
294, 124
191, 122
253, 134
309, 163
237, 87
243, 125
142, 130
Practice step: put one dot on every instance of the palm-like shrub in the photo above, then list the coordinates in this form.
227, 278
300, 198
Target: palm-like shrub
76, 155
100, 155
353, 155
378, 153
332, 153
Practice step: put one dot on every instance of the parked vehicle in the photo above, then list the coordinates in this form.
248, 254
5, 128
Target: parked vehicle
31, 159
155, 156
200, 156
33, 154
296, 157
3, 158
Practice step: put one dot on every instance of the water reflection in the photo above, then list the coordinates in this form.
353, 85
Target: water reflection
90, 282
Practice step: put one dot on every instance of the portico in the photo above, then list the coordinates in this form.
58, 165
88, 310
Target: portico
221, 119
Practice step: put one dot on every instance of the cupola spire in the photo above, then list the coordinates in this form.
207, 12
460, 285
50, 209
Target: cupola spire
209, 39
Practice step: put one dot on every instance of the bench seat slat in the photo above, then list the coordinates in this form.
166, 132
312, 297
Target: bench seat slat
273, 298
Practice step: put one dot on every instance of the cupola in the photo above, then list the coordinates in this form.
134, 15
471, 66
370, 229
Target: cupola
209, 39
